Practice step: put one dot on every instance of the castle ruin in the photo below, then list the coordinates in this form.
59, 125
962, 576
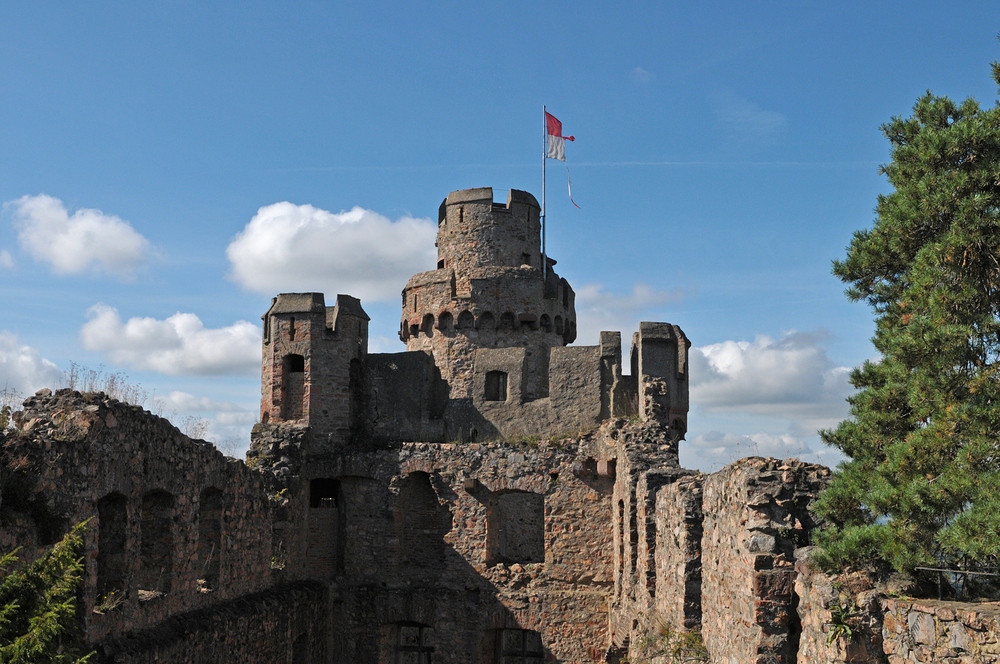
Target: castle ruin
491, 495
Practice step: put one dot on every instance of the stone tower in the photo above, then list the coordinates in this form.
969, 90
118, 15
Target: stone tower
488, 291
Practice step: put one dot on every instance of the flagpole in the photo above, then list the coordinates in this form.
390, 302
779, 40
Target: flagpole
545, 152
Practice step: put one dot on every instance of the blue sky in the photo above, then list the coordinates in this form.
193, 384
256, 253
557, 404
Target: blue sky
725, 153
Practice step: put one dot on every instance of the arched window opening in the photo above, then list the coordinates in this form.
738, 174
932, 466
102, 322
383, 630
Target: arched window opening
496, 386
421, 523
545, 323
508, 321
156, 546
485, 321
209, 538
323, 493
300, 649
466, 321
324, 539
112, 535
293, 381
559, 325
445, 321
427, 327
414, 330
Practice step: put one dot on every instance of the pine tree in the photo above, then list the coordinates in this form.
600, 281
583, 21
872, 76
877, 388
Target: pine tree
38, 605
922, 484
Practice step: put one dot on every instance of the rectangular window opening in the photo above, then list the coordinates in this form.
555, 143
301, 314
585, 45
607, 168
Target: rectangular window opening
496, 386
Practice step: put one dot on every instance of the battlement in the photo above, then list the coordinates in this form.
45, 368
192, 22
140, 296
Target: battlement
489, 289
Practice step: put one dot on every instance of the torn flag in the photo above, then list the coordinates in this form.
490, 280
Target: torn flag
557, 145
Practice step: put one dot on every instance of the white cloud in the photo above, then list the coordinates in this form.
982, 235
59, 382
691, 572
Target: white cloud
641, 76
791, 377
87, 240
712, 450
224, 423
746, 120
6, 260
178, 345
296, 248
185, 402
598, 310
22, 368
727, 447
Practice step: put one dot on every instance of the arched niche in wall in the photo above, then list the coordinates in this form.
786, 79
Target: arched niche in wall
485, 321
446, 322
466, 321
421, 523
427, 326
156, 545
324, 537
508, 321
112, 540
209, 537
545, 323
293, 385
300, 649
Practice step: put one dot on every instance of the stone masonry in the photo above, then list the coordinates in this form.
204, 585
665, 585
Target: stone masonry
491, 495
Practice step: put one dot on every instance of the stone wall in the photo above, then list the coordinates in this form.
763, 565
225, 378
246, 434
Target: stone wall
678, 552
175, 526
755, 516
936, 631
469, 539
285, 624
857, 606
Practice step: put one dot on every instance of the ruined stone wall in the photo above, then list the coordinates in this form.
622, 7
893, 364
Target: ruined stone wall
858, 609
678, 552
645, 461
285, 624
936, 631
175, 526
755, 515
466, 540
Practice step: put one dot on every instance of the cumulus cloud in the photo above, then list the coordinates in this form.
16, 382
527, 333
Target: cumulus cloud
23, 370
789, 377
6, 260
180, 344
598, 309
295, 248
746, 120
712, 450
87, 240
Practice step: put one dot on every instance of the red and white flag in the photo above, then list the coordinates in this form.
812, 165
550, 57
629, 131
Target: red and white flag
557, 142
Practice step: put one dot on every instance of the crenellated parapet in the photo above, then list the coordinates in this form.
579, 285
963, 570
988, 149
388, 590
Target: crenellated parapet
489, 289
312, 362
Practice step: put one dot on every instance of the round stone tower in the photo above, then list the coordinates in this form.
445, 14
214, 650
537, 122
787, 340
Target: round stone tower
488, 291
